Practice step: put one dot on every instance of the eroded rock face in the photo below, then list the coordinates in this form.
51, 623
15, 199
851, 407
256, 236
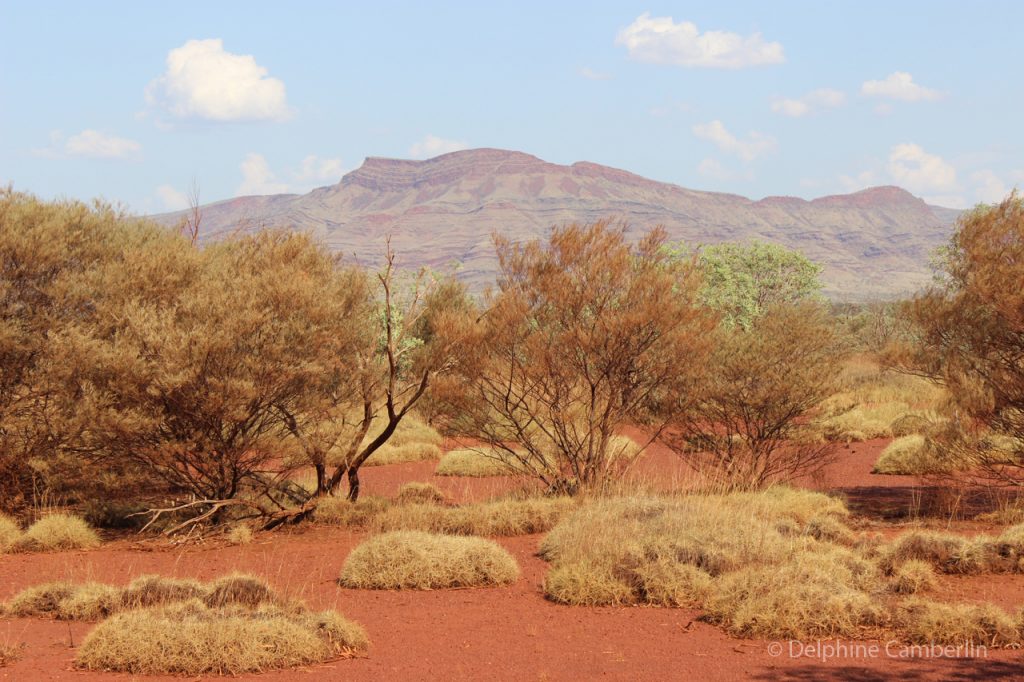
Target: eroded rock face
443, 211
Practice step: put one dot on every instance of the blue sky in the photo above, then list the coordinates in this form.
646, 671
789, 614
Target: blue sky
131, 101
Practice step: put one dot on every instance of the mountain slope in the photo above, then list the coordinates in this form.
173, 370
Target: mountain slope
444, 210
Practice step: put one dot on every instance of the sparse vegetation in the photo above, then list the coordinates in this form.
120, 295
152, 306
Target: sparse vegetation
191, 638
586, 334
930, 622
55, 532
10, 532
424, 493
475, 462
505, 517
425, 561
914, 576
907, 456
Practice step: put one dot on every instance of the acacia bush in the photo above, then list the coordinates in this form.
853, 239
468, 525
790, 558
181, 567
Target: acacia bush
585, 334
967, 333
753, 420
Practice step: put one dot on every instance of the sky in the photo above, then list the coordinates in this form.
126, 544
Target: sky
137, 102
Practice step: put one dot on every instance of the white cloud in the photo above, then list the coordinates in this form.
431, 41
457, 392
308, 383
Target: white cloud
97, 145
171, 199
432, 145
712, 168
91, 144
659, 40
592, 75
755, 145
899, 85
855, 183
203, 81
317, 171
920, 172
823, 98
259, 178
946, 200
672, 108
989, 188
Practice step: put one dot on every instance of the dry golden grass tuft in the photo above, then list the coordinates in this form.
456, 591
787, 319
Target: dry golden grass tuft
419, 560
10, 532
412, 429
506, 517
914, 576
57, 532
154, 590
948, 553
9, 653
479, 462
240, 534
338, 511
399, 454
40, 600
927, 622
907, 456
678, 551
814, 593
92, 601
413, 441
239, 589
193, 639
416, 491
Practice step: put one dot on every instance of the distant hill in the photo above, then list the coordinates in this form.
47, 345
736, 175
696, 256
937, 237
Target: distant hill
441, 211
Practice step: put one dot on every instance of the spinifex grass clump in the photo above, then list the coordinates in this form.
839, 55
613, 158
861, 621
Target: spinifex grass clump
505, 517
759, 563
56, 532
157, 625
191, 638
418, 560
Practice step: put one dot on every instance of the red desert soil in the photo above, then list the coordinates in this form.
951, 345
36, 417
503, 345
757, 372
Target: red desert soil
509, 633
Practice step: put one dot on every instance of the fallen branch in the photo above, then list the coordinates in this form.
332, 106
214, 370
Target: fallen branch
215, 506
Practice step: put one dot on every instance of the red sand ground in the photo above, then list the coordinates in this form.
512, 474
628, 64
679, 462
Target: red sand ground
507, 633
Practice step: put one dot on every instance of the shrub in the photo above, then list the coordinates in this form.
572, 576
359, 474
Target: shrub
420, 492
754, 420
928, 622
908, 456
339, 511
947, 553
239, 590
418, 560
9, 533
40, 600
864, 422
240, 535
470, 462
497, 518
813, 594
412, 429
89, 601
154, 590
637, 550
192, 639
57, 532
914, 576
399, 454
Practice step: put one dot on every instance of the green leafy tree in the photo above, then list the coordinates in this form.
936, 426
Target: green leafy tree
742, 281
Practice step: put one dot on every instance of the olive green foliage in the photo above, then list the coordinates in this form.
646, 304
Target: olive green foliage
743, 281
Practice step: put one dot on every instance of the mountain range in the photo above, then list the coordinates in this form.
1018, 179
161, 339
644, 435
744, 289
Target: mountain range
444, 210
